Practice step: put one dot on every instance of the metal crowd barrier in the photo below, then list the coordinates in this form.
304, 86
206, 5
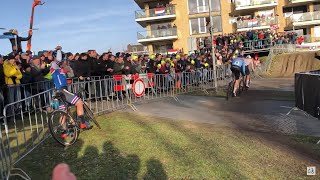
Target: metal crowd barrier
25, 122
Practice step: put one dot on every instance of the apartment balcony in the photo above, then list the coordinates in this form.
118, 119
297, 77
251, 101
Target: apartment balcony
157, 35
304, 19
256, 24
254, 4
301, 1
142, 2
156, 14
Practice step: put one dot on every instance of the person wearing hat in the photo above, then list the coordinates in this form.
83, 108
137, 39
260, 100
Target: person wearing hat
38, 69
11, 71
12, 77
151, 65
136, 65
2, 84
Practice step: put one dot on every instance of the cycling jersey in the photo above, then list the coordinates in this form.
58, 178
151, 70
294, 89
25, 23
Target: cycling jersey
58, 76
239, 62
247, 61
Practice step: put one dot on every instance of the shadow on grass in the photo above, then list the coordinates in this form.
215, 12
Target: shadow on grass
111, 163
155, 170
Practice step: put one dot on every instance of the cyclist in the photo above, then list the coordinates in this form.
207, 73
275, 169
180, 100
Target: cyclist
248, 62
237, 67
60, 82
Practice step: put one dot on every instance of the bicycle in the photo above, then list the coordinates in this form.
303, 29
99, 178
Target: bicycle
231, 87
66, 122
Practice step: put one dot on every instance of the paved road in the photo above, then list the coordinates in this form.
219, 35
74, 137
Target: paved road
263, 108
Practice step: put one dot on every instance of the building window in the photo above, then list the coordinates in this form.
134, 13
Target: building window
317, 31
316, 7
201, 6
202, 25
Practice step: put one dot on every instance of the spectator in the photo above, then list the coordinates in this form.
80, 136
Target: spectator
24, 60
67, 69
261, 38
82, 67
110, 64
119, 69
26, 89
16, 42
73, 60
136, 65
38, 71
12, 75
2, 84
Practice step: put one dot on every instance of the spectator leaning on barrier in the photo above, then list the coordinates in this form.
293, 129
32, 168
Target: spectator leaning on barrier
82, 67
11, 71
2, 84
24, 60
38, 69
99, 66
136, 65
110, 65
13, 76
26, 75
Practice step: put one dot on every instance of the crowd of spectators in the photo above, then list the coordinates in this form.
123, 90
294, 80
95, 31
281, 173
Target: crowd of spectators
24, 72
18, 69
226, 44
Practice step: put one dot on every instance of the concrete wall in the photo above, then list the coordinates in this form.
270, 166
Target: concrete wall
182, 23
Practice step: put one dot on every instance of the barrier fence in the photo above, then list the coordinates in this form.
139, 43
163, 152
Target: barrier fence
25, 122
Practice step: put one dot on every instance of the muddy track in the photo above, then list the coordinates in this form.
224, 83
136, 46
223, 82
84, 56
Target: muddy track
260, 112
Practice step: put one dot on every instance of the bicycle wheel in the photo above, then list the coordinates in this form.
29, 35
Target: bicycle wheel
241, 86
89, 114
61, 121
230, 90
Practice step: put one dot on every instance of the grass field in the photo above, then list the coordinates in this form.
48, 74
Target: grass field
131, 146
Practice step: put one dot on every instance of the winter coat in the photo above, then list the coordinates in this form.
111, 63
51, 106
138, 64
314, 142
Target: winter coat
12, 74
38, 74
82, 68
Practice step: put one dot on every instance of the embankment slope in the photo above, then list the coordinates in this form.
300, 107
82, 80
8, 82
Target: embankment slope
286, 65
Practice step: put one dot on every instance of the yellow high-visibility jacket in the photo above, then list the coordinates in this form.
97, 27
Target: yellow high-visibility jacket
11, 73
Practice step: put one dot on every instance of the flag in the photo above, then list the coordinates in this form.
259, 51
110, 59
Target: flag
252, 22
172, 51
160, 11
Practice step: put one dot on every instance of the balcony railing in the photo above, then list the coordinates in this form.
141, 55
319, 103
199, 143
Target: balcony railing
156, 12
310, 39
252, 3
300, 1
308, 16
257, 22
154, 34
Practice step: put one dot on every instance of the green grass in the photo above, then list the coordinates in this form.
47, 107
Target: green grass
130, 146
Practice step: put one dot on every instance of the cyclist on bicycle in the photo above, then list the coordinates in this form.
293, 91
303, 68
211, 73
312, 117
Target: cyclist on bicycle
248, 62
237, 67
60, 82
